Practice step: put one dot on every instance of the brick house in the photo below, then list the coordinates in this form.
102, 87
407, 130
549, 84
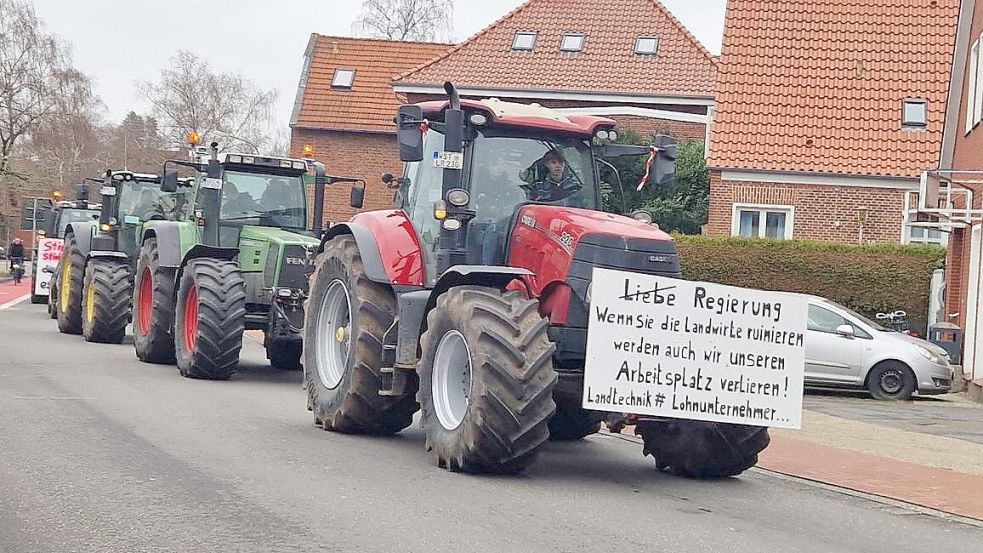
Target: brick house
827, 112
630, 60
345, 107
958, 186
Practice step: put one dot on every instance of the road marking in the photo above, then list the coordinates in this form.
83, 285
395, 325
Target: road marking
14, 301
76, 398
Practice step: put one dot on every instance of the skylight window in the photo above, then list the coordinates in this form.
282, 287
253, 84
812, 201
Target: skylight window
648, 45
525, 41
343, 78
915, 113
573, 42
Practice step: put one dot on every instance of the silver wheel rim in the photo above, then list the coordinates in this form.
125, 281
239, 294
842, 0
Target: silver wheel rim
451, 385
334, 329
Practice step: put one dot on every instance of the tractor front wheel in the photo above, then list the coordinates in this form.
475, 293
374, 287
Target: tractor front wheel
107, 296
346, 318
153, 307
486, 380
71, 276
702, 449
210, 319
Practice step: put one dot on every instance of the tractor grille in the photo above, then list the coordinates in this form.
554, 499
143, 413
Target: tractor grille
649, 257
296, 269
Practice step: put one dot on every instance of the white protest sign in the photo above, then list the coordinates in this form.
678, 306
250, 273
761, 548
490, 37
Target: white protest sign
49, 253
694, 350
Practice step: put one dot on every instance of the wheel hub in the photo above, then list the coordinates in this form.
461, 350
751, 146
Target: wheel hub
451, 386
892, 382
334, 326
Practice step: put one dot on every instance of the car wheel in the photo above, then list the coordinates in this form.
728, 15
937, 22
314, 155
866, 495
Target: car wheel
891, 380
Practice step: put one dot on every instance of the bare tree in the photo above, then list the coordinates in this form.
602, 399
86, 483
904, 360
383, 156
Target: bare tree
223, 107
33, 68
423, 20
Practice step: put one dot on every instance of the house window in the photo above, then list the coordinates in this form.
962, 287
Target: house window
915, 113
524, 41
572, 42
343, 78
648, 45
974, 94
926, 235
763, 221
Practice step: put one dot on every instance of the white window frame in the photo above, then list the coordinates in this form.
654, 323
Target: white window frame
974, 90
763, 209
532, 46
912, 124
338, 73
580, 48
942, 241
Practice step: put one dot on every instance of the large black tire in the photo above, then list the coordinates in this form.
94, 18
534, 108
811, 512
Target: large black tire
105, 300
701, 449
891, 381
572, 422
210, 319
347, 400
510, 398
285, 354
52, 299
153, 307
71, 274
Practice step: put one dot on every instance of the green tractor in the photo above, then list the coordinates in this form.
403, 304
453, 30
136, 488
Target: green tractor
95, 273
237, 259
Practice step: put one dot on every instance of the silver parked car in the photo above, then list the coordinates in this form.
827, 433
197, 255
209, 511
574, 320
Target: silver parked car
846, 349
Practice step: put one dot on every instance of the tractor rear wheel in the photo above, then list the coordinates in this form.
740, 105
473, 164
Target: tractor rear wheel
210, 319
285, 354
486, 380
107, 301
153, 307
701, 449
572, 422
346, 318
71, 274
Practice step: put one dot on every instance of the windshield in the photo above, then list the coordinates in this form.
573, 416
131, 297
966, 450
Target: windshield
75, 216
276, 200
146, 202
508, 171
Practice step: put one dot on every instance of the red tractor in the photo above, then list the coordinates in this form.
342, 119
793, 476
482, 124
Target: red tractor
468, 302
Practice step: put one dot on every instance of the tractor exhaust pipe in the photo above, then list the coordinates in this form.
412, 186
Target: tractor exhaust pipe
452, 93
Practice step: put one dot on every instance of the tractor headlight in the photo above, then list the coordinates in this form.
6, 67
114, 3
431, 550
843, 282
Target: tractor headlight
458, 197
235, 159
284, 292
642, 216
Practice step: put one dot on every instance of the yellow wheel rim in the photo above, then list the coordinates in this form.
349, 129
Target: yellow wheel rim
90, 303
66, 279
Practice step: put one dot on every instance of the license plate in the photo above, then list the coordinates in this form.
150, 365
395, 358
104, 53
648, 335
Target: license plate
448, 160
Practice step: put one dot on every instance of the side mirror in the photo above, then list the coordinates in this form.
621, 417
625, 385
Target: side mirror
169, 184
320, 173
82, 193
845, 330
48, 270
665, 162
358, 196
408, 132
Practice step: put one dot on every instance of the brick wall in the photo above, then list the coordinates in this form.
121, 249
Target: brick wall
826, 213
351, 154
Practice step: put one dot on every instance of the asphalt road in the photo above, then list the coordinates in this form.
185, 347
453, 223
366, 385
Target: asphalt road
100, 453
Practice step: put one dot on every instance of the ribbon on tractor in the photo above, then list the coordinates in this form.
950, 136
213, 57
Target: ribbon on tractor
648, 169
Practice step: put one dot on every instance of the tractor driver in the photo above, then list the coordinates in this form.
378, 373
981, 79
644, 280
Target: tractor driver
556, 184
235, 202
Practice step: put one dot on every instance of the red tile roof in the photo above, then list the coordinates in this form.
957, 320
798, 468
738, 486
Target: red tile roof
819, 85
607, 64
371, 103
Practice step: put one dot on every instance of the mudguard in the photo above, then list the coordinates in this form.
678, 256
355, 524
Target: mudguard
482, 275
368, 248
104, 253
201, 250
83, 235
168, 234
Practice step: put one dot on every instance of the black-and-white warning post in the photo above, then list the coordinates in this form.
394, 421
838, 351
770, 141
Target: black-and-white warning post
694, 350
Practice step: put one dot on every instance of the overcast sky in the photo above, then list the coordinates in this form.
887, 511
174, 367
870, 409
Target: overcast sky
119, 41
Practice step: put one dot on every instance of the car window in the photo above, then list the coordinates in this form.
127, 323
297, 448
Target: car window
824, 320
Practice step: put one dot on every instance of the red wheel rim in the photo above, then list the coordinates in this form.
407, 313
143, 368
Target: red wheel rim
191, 319
146, 302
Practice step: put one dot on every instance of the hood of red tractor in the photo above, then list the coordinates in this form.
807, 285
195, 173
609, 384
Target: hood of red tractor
545, 238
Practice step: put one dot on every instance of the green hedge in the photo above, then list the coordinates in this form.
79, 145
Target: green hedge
867, 279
